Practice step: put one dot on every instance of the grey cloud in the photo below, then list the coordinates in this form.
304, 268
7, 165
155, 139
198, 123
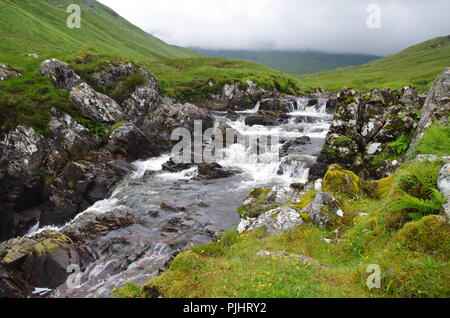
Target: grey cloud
326, 25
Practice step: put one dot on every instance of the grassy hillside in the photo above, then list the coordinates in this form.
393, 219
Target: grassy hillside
188, 79
39, 26
293, 62
417, 66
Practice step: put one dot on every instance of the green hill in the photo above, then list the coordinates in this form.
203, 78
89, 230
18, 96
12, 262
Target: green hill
417, 66
39, 26
293, 62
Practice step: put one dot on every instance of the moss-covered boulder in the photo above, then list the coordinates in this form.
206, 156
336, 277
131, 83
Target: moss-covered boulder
431, 235
340, 181
258, 202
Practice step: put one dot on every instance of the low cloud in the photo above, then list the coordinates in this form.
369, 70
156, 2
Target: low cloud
327, 25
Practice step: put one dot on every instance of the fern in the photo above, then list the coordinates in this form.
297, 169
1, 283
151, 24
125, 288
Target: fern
421, 206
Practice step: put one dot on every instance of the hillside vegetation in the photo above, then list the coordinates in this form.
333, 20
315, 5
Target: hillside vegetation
39, 26
189, 79
416, 66
293, 62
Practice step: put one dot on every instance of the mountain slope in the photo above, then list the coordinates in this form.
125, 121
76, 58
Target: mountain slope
293, 62
417, 66
39, 26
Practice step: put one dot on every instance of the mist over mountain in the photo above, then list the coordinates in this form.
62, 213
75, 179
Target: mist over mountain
293, 62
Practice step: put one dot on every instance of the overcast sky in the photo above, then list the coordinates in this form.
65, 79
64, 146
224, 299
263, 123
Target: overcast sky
325, 25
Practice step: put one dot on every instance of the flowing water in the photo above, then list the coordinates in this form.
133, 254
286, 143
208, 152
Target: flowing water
138, 252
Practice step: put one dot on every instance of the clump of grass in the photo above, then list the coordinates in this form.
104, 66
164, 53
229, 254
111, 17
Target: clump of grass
125, 86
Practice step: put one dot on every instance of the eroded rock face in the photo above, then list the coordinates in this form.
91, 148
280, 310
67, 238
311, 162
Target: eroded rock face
96, 106
62, 74
144, 99
444, 187
363, 126
437, 105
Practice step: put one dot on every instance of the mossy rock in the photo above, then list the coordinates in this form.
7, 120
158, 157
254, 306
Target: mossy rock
258, 202
431, 235
340, 181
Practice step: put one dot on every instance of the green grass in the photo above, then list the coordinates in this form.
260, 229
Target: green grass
417, 66
188, 79
39, 26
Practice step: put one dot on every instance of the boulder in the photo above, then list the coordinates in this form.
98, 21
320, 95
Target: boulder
214, 171
260, 120
295, 147
62, 74
38, 262
129, 142
285, 105
167, 117
323, 210
444, 187
96, 106
276, 221
363, 120
340, 181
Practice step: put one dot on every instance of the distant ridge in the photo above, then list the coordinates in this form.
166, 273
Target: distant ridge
293, 62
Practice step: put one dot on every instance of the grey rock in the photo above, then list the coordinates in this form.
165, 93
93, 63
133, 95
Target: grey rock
320, 215
62, 74
444, 187
96, 106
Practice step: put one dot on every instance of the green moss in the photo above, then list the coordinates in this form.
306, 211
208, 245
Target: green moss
338, 180
258, 205
431, 236
130, 290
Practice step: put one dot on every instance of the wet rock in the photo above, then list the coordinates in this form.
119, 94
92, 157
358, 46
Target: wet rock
233, 116
260, 120
167, 117
101, 226
96, 106
214, 171
171, 166
129, 142
62, 74
285, 105
154, 213
40, 261
295, 147
296, 166
172, 206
